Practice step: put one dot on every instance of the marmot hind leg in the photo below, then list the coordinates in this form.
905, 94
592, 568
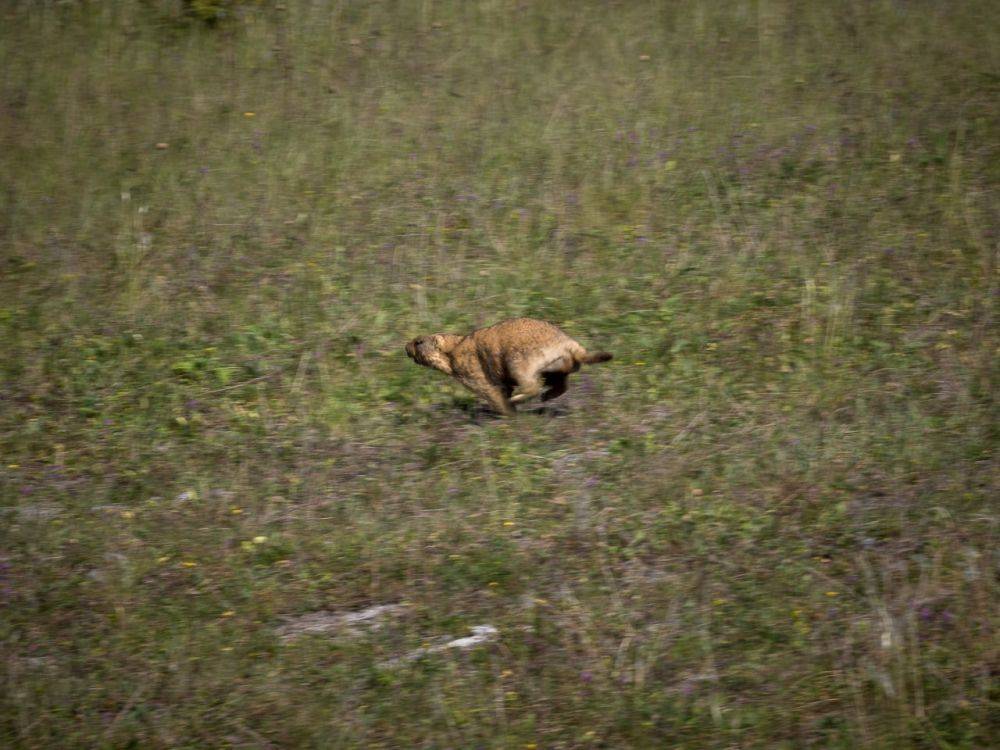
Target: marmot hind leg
527, 390
529, 384
555, 385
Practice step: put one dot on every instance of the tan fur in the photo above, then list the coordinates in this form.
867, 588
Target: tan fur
506, 363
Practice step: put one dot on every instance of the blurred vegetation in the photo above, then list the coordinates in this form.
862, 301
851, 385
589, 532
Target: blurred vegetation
213, 11
770, 522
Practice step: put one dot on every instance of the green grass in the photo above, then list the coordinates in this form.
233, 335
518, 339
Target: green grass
770, 522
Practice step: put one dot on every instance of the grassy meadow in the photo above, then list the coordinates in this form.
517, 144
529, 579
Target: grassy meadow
770, 522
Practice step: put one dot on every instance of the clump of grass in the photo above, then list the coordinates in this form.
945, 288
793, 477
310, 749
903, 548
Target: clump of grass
768, 523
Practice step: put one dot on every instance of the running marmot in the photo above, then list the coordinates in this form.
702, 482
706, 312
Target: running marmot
508, 362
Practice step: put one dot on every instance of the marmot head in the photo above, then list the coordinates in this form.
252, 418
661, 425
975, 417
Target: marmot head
432, 351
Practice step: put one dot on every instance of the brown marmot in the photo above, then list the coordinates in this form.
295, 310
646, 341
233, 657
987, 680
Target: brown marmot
508, 362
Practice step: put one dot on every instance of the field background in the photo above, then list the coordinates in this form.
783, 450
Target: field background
770, 522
